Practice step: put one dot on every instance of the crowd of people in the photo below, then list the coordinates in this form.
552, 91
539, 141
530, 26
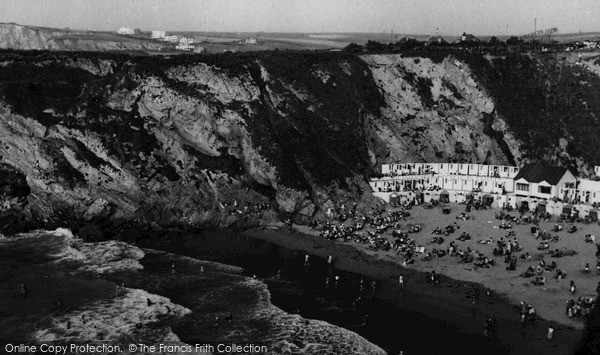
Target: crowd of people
376, 228
580, 308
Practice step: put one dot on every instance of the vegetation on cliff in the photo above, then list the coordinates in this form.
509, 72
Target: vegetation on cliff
207, 125
546, 101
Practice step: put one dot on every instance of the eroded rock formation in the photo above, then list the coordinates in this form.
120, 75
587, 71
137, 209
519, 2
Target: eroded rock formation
230, 139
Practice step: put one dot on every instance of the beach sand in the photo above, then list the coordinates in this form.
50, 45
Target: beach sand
509, 289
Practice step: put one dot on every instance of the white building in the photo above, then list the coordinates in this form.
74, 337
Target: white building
186, 40
185, 47
538, 188
543, 181
158, 34
586, 191
456, 180
172, 38
250, 40
504, 171
128, 31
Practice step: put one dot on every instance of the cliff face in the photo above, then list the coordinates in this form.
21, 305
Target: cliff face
218, 140
436, 112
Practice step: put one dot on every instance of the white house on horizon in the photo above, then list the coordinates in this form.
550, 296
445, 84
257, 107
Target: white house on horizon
128, 31
158, 34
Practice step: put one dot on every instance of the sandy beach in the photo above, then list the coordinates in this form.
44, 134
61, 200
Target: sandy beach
509, 288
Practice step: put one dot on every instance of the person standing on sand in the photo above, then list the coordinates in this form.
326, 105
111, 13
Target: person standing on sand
474, 294
329, 260
24, 291
523, 314
306, 262
401, 281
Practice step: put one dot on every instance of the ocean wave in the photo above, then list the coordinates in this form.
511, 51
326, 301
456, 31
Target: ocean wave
293, 334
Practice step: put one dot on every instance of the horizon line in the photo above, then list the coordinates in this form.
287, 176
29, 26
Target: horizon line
309, 33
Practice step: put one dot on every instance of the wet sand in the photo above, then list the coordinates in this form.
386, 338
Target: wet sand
449, 302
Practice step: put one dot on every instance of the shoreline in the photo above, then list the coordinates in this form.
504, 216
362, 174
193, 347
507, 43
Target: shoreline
450, 306
549, 300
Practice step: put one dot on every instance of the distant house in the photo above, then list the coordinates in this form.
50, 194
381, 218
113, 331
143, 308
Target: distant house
173, 38
158, 34
186, 40
185, 47
250, 40
467, 38
540, 181
433, 40
128, 31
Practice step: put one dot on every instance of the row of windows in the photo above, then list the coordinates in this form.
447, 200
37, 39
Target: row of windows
541, 189
451, 166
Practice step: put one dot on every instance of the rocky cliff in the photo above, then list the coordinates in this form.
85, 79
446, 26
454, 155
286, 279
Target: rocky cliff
231, 139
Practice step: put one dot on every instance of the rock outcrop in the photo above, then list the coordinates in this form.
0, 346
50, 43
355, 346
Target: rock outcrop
226, 140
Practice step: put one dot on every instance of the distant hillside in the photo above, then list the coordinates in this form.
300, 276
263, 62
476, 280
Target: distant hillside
14, 36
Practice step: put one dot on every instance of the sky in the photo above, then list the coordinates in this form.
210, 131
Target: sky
451, 17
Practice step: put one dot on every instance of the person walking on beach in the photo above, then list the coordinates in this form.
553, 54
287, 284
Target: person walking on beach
24, 291
401, 281
572, 287
306, 262
329, 260
488, 325
523, 314
474, 294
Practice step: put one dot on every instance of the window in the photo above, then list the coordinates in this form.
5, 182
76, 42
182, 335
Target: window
544, 189
523, 187
506, 169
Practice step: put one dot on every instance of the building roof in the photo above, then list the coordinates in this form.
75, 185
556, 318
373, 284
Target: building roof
538, 173
436, 39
